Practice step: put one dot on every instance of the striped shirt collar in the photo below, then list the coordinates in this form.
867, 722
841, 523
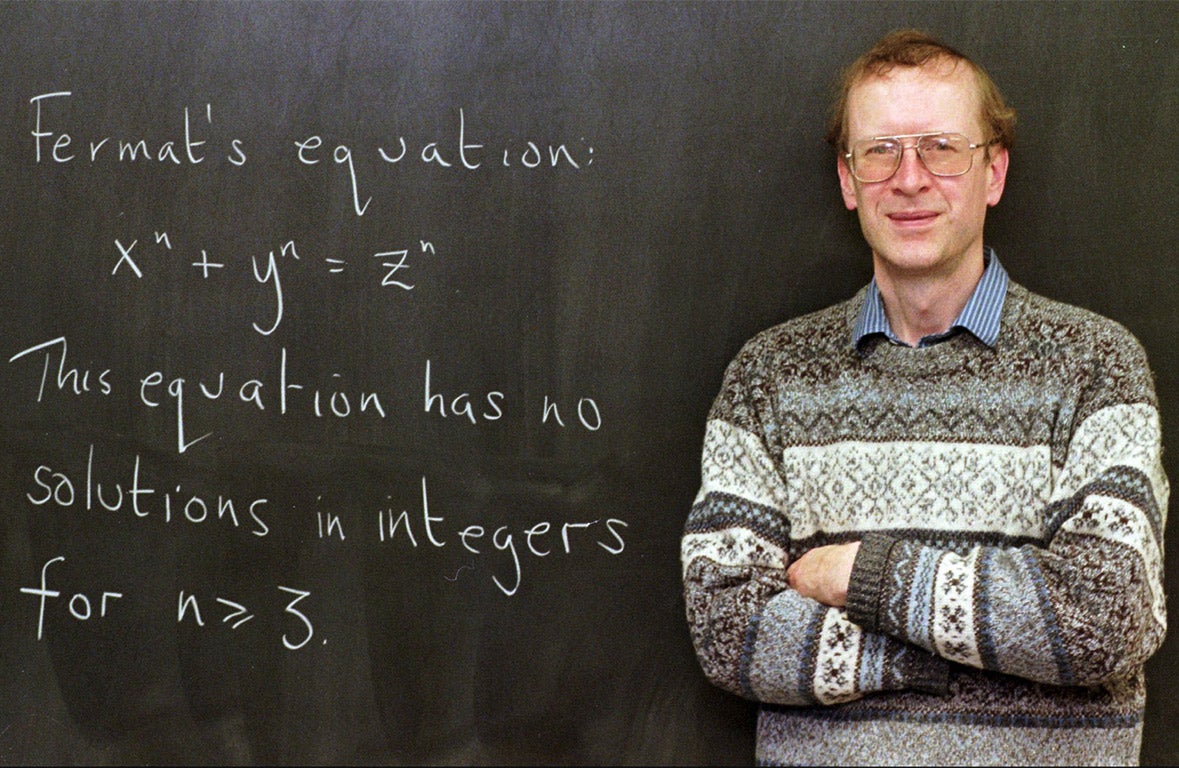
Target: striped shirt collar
980, 316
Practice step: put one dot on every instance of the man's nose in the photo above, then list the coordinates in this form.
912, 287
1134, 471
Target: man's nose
912, 175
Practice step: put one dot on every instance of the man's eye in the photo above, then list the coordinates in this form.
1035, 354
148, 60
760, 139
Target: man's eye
941, 145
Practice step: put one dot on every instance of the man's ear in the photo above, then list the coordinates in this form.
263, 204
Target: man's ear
997, 175
847, 184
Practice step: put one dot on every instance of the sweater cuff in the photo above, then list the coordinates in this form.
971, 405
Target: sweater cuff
928, 673
867, 578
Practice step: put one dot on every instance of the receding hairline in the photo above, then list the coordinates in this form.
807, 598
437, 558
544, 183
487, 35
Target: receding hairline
915, 49
944, 68
948, 60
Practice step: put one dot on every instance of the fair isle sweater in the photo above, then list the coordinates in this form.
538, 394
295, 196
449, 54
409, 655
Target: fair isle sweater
1010, 501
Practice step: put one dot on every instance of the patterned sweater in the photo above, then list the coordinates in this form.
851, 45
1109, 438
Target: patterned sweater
1011, 503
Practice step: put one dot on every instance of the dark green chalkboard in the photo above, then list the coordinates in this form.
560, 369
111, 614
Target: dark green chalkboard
356, 355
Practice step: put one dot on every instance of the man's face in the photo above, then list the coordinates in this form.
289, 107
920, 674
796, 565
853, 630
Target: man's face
918, 224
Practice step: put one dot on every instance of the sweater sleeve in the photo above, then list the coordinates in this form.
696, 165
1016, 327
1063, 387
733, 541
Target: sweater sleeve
1085, 606
754, 636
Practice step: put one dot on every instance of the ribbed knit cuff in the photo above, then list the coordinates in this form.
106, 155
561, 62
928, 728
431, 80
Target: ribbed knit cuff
928, 673
867, 578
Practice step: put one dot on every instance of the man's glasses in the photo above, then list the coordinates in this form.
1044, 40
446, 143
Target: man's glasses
942, 154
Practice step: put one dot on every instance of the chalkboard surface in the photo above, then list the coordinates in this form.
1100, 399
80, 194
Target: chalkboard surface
356, 356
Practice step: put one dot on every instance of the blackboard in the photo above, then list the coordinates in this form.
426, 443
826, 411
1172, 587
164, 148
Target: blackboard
356, 356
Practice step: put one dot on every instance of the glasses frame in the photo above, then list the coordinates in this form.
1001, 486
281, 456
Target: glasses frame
971, 146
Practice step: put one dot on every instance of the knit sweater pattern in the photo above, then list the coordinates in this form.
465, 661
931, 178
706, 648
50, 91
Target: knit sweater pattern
1010, 503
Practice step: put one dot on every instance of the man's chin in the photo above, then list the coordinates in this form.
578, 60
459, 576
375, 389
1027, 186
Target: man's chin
911, 261
921, 261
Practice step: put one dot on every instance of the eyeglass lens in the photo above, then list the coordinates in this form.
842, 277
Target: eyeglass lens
944, 154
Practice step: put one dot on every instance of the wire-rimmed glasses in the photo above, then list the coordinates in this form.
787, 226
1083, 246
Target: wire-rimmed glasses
943, 154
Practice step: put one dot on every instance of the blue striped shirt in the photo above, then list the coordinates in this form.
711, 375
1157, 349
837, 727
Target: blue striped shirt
980, 316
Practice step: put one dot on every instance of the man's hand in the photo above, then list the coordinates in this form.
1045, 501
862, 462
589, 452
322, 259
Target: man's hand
823, 573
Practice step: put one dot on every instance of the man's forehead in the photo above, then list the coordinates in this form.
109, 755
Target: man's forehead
941, 86
950, 72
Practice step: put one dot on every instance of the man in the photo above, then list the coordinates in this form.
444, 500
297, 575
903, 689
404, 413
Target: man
930, 527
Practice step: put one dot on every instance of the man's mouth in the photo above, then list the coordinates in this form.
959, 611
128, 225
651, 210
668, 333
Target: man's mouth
912, 217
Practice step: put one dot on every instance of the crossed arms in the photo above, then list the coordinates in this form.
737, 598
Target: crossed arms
784, 614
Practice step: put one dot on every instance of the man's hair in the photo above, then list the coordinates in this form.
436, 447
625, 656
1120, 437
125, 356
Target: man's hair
913, 48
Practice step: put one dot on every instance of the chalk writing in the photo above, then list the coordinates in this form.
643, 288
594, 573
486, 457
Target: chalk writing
188, 605
267, 270
83, 607
87, 488
588, 413
55, 487
276, 391
464, 155
58, 146
79, 605
461, 404
606, 534
54, 144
